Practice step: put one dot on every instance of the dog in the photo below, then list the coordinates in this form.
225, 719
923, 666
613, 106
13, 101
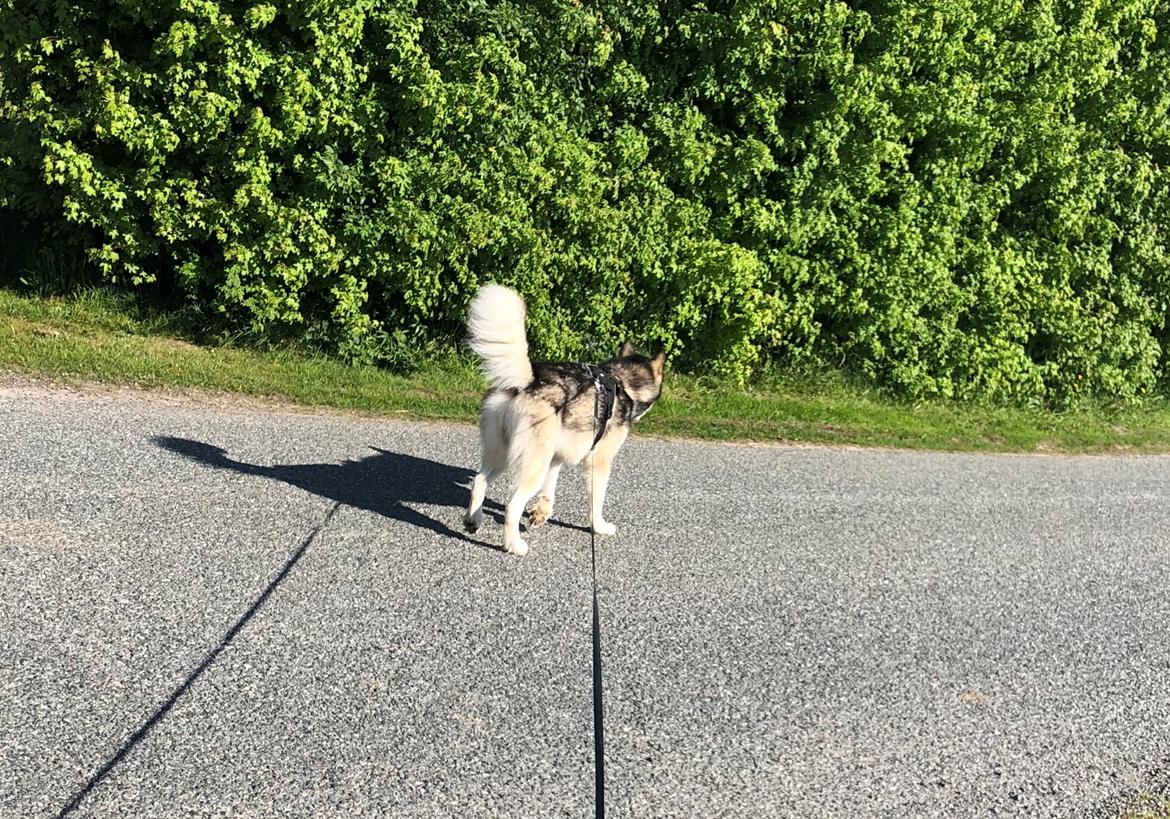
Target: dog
539, 416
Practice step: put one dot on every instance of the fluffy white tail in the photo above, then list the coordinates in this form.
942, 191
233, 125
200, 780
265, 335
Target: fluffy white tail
495, 329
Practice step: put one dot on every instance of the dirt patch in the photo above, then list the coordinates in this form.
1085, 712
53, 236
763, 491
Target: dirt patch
40, 533
174, 344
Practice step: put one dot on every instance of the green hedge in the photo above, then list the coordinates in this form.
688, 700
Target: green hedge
966, 198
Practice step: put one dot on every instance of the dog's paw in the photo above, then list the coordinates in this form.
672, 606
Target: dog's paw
540, 513
604, 527
517, 547
472, 522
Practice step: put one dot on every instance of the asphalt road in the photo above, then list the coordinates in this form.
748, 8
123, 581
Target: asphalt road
211, 609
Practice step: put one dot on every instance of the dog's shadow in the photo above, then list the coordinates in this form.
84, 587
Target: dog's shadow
382, 483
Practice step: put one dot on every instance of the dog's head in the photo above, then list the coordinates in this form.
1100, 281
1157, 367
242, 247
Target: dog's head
641, 377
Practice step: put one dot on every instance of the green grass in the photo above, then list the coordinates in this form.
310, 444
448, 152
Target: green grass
1151, 807
96, 336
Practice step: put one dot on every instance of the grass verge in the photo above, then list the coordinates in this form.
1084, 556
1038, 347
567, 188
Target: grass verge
1150, 807
96, 336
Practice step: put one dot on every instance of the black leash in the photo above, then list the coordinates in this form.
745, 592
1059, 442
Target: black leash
598, 711
605, 397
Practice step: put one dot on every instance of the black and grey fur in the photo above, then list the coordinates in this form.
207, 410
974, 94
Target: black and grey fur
540, 416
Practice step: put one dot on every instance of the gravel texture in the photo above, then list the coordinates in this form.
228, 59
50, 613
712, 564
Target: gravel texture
220, 610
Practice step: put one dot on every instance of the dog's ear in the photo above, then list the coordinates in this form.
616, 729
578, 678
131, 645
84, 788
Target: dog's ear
657, 363
627, 350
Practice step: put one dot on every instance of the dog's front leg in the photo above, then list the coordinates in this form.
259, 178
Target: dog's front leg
597, 469
598, 465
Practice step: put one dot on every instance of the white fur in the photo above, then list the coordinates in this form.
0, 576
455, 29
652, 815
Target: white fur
495, 326
511, 434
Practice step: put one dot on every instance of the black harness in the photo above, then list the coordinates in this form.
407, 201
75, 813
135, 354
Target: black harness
606, 388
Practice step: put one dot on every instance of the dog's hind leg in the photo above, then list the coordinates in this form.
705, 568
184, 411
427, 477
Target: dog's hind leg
534, 468
474, 517
543, 509
495, 461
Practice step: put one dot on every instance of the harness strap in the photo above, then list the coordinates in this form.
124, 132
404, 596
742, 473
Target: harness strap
606, 387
